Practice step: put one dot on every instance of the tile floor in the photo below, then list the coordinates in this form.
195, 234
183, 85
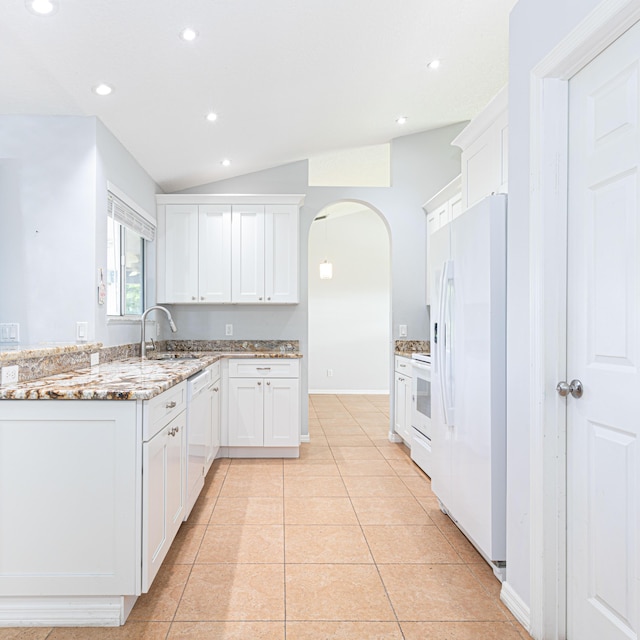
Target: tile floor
347, 542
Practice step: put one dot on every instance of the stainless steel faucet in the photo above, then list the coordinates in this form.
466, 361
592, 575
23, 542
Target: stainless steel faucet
143, 341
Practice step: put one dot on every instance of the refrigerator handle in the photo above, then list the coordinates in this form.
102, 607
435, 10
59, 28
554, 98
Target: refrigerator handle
446, 375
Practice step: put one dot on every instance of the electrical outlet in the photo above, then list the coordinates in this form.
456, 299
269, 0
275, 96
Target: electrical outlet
228, 329
9, 375
329, 373
95, 359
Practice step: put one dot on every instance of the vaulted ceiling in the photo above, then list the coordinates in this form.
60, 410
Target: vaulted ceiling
288, 79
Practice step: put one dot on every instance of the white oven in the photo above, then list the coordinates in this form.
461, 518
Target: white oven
421, 411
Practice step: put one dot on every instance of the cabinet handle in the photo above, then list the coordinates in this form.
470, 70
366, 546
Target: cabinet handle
259, 383
201, 297
193, 297
269, 298
268, 383
263, 368
260, 298
215, 389
170, 405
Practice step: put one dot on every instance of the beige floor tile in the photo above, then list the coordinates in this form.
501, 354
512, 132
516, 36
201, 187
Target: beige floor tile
18, 633
311, 451
313, 468
394, 451
343, 631
436, 592
310, 510
343, 430
419, 485
328, 486
247, 543
186, 544
129, 631
349, 441
258, 485
202, 509
406, 468
254, 510
256, 463
233, 592
365, 468
389, 511
336, 592
161, 602
342, 454
328, 544
484, 573
226, 631
413, 544
459, 631
319, 441
460, 543
373, 487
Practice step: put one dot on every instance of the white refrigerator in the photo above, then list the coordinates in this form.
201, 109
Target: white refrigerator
468, 327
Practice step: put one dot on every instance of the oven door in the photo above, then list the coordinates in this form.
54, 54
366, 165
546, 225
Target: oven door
421, 398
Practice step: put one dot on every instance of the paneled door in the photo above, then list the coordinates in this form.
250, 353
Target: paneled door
603, 343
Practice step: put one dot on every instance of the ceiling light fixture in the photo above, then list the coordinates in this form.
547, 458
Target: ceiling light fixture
42, 7
401, 120
188, 34
226, 162
434, 64
102, 89
211, 116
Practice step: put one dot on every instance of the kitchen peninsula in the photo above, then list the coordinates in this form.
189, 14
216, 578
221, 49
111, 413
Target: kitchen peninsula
93, 466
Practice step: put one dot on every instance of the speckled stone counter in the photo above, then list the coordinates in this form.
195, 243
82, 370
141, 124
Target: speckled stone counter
407, 348
131, 378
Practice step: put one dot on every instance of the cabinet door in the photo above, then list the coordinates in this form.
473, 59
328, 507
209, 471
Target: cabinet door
215, 425
431, 227
400, 411
247, 237
246, 412
181, 253
281, 253
281, 412
214, 253
163, 495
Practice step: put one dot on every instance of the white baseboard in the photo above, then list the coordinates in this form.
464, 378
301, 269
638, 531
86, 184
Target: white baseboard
259, 452
90, 611
349, 392
516, 605
305, 438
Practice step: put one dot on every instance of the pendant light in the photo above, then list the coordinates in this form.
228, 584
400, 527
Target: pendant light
326, 267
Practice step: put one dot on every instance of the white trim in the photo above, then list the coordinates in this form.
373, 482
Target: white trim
496, 108
230, 198
86, 611
516, 605
349, 392
305, 438
547, 255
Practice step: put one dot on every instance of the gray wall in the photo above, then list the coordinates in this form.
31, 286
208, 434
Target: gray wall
536, 27
421, 165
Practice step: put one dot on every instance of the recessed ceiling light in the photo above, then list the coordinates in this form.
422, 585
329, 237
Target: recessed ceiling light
188, 34
401, 120
102, 89
434, 64
42, 7
211, 116
226, 162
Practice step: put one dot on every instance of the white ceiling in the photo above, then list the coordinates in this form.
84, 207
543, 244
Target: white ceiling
289, 79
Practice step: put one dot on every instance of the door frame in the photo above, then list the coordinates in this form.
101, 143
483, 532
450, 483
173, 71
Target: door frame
548, 189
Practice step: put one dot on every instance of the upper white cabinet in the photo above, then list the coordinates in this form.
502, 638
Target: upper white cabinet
484, 143
444, 207
221, 249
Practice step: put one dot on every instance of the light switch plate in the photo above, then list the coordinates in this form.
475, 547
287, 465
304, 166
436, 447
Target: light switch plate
403, 330
228, 330
82, 329
9, 332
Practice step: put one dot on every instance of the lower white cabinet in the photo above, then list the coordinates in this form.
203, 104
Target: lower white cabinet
402, 388
264, 403
163, 494
214, 441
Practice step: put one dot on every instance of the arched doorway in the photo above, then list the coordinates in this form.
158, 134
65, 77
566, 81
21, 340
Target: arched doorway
349, 314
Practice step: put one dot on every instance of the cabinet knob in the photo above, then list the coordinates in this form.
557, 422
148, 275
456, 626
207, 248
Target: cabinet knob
269, 298
268, 383
201, 297
170, 405
259, 384
193, 297
260, 298
215, 389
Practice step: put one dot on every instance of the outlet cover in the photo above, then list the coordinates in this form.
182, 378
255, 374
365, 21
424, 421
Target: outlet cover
82, 331
228, 329
95, 359
403, 330
9, 375
10, 332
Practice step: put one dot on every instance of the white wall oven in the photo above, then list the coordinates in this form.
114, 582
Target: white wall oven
421, 411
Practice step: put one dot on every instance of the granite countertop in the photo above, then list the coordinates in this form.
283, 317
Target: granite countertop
128, 379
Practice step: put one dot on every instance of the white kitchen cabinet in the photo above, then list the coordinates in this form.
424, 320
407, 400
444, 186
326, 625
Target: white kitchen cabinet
265, 254
164, 494
214, 439
484, 143
228, 249
194, 253
441, 209
402, 411
264, 403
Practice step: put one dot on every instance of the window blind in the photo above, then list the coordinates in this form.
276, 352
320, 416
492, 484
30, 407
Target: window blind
130, 218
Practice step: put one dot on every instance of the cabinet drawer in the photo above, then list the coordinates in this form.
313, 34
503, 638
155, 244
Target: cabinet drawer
215, 370
160, 410
264, 368
403, 365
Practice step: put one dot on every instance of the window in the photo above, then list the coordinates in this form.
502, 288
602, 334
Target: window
127, 230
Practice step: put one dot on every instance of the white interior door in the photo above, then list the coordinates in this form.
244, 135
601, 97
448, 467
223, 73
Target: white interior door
603, 345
